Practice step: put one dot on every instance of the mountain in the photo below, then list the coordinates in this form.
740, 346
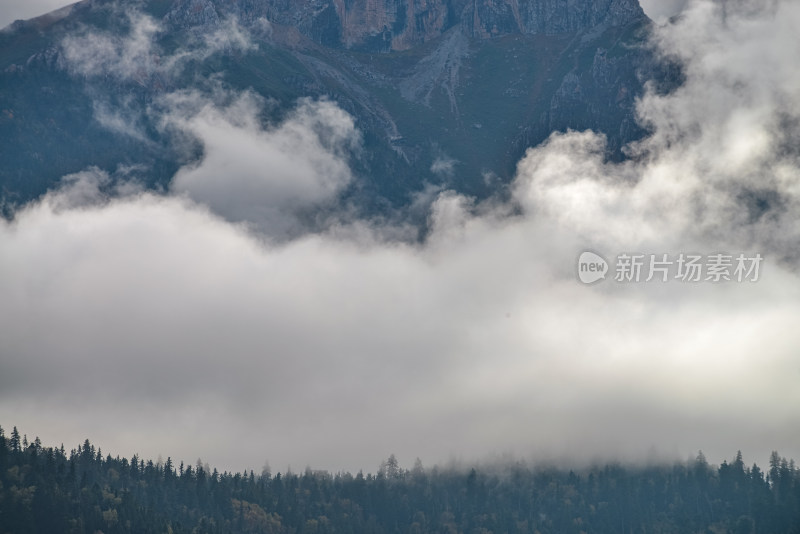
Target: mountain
382, 25
445, 92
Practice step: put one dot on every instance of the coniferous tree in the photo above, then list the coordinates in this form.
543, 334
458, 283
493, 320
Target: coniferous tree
15, 441
50, 492
3, 450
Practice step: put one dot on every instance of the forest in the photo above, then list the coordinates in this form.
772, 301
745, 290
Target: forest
52, 490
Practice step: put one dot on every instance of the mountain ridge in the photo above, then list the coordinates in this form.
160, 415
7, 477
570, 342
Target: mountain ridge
382, 25
472, 97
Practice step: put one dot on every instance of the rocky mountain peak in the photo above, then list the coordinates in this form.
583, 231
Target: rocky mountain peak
382, 25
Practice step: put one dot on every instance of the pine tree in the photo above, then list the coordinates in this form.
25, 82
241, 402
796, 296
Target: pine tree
774, 467
3, 451
15, 441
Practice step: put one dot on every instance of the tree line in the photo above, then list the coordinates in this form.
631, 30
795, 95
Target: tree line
51, 490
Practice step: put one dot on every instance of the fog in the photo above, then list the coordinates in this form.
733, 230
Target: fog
187, 324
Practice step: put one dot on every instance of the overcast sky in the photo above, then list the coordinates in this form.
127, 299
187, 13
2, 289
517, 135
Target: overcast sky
12, 10
173, 324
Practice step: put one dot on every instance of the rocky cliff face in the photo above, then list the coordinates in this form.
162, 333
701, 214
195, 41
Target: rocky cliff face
382, 25
548, 17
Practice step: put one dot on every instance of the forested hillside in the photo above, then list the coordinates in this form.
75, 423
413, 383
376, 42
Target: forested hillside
44, 489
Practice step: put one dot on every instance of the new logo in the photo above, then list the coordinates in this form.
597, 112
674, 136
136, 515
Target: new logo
591, 267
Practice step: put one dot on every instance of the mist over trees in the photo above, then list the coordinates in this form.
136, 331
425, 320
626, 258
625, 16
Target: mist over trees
48, 489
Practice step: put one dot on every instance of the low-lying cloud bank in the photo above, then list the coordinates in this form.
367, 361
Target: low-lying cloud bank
166, 324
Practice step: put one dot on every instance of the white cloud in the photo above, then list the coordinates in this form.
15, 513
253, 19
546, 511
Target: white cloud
183, 326
444, 166
136, 56
150, 323
123, 118
265, 177
98, 53
660, 10
229, 37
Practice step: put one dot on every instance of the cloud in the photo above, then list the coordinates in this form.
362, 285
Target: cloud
201, 341
122, 118
152, 324
659, 10
229, 36
265, 177
136, 56
444, 166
